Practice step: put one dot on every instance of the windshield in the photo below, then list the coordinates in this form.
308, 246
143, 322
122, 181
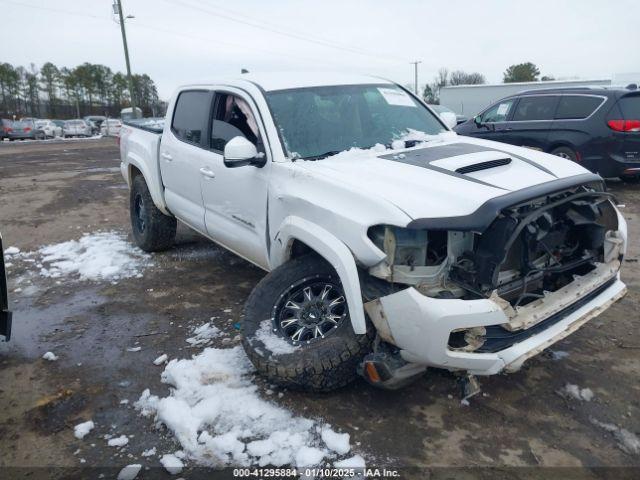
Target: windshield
320, 121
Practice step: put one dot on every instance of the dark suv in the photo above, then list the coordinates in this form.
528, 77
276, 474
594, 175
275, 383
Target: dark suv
598, 127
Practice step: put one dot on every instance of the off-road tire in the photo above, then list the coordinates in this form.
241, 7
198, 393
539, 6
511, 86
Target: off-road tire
320, 366
159, 230
566, 153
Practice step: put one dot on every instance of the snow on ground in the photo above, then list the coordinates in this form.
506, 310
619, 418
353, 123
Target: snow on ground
129, 472
161, 359
219, 418
97, 256
120, 441
172, 463
272, 342
149, 453
82, 429
203, 334
12, 251
52, 357
573, 391
627, 441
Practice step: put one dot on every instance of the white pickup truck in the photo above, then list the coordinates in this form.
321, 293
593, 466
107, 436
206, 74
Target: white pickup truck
392, 244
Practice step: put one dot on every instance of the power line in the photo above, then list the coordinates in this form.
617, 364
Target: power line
252, 48
289, 29
290, 34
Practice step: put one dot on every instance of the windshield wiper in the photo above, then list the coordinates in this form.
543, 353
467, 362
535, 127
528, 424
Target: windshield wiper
322, 155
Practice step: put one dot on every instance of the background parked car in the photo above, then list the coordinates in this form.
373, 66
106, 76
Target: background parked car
597, 127
113, 125
59, 123
5, 128
96, 122
24, 130
76, 128
441, 109
50, 129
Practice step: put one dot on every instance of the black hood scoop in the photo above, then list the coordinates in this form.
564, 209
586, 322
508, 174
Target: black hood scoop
476, 167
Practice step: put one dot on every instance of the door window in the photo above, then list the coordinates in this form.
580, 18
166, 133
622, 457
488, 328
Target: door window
498, 113
232, 118
535, 108
574, 107
191, 115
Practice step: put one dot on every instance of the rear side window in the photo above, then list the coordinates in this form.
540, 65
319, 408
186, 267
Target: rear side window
191, 116
630, 106
535, 108
573, 107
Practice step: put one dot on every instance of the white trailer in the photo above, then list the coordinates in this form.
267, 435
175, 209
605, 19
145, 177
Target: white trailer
468, 100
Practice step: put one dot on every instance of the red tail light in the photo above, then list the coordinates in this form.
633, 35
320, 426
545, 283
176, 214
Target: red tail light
624, 125
8, 129
27, 129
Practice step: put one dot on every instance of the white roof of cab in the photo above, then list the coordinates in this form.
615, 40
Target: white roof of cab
285, 80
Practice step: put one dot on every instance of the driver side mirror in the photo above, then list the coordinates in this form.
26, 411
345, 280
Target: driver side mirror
478, 120
240, 152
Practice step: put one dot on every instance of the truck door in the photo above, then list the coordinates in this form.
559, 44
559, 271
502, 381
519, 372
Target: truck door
183, 150
235, 199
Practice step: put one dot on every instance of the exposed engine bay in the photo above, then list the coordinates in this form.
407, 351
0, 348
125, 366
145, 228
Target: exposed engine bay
530, 249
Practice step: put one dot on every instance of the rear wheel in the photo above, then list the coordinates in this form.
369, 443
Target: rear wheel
296, 328
153, 231
565, 152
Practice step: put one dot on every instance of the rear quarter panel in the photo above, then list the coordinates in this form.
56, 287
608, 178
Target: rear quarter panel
139, 149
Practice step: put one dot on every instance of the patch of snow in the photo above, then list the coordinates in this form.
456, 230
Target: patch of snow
203, 335
82, 429
130, 472
273, 342
98, 256
627, 441
161, 359
52, 357
134, 349
215, 412
12, 251
120, 441
559, 354
338, 442
577, 393
352, 462
172, 464
309, 456
149, 453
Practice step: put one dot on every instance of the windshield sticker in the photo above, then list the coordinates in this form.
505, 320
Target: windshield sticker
503, 108
396, 97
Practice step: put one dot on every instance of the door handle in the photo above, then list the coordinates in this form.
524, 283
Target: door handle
207, 173
166, 156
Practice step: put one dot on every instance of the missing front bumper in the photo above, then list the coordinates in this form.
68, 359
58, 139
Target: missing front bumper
421, 326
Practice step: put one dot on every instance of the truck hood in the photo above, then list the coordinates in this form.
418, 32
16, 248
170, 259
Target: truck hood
442, 178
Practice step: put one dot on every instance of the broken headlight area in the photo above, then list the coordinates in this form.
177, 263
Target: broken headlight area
540, 246
531, 250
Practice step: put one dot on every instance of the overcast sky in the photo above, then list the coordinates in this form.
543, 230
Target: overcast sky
181, 41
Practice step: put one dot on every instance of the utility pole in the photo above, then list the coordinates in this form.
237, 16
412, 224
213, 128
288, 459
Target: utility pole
415, 83
117, 5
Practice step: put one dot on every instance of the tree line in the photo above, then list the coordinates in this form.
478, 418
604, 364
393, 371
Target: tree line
61, 92
522, 72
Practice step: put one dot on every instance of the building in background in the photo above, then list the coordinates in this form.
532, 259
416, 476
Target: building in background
468, 100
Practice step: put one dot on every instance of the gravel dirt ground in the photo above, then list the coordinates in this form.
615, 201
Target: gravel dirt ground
56, 191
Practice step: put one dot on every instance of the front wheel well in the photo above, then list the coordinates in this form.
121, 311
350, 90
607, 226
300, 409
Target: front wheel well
133, 173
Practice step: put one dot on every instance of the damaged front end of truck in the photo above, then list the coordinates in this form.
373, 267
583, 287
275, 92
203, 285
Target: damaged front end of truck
480, 294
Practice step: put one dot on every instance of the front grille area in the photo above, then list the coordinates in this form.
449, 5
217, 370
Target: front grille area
483, 165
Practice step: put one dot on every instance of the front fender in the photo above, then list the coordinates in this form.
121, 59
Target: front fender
332, 250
